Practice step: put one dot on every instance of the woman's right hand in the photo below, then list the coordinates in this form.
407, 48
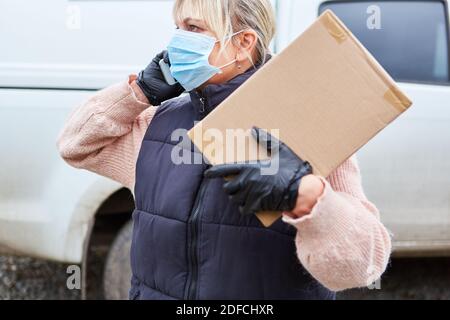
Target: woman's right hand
152, 82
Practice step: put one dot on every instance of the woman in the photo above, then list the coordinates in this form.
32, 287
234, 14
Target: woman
195, 235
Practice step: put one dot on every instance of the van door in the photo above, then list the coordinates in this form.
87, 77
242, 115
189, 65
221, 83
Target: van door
80, 44
54, 54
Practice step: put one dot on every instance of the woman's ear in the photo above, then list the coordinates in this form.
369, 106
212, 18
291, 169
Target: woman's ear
247, 42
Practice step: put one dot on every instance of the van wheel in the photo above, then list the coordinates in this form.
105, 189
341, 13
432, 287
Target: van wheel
117, 272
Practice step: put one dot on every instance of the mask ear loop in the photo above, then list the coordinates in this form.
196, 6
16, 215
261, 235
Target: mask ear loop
226, 65
233, 61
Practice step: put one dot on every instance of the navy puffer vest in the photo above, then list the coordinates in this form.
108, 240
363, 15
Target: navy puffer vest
189, 240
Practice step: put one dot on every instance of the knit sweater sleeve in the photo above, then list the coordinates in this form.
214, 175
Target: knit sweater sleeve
342, 242
104, 134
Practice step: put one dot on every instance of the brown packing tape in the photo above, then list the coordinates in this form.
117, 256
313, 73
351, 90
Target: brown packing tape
397, 99
333, 27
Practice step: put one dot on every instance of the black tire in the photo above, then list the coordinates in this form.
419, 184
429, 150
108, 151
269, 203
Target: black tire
117, 273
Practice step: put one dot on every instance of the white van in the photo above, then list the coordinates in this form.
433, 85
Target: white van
56, 53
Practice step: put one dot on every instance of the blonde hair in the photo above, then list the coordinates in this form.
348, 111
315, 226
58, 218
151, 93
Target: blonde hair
226, 17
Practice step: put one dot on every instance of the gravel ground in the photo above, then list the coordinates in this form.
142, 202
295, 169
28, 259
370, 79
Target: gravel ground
410, 279
26, 278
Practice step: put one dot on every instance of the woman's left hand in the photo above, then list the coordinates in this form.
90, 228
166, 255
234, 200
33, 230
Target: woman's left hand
310, 191
282, 183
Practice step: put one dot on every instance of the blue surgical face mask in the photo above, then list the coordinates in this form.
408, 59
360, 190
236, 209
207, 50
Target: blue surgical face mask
189, 54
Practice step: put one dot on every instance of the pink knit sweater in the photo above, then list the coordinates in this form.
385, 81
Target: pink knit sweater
342, 242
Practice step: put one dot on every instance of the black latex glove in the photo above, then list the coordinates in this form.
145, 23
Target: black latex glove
153, 84
254, 192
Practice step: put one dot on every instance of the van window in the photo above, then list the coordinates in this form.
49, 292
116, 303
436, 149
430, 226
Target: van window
409, 38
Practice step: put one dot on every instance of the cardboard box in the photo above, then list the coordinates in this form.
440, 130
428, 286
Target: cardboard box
325, 93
